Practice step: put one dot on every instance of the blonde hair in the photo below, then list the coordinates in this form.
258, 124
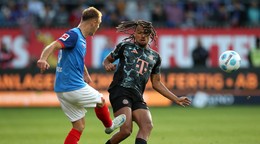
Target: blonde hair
90, 13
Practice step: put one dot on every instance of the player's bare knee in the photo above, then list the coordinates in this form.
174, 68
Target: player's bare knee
150, 126
79, 127
147, 127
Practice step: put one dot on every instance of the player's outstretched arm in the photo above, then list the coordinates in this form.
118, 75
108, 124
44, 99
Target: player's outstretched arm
163, 90
47, 51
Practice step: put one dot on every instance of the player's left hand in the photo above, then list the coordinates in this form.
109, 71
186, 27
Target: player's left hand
110, 67
183, 101
43, 65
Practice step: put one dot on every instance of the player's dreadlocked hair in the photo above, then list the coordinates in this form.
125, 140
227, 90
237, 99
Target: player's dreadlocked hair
128, 27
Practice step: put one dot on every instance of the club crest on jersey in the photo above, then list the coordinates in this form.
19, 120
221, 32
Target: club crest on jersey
64, 37
125, 101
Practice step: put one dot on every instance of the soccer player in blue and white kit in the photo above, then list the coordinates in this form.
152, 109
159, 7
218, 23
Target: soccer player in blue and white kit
72, 77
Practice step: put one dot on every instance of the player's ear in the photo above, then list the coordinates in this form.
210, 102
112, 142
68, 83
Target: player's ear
92, 22
96, 20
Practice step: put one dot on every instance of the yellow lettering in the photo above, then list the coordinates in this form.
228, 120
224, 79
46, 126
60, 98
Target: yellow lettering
191, 81
27, 82
218, 81
180, 81
201, 80
240, 81
252, 81
171, 80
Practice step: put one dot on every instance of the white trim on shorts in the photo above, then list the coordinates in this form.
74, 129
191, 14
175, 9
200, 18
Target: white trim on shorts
73, 103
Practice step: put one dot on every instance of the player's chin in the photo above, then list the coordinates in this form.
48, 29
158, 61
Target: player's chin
142, 43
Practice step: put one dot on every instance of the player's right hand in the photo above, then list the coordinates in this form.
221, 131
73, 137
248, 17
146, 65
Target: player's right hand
43, 65
110, 67
183, 101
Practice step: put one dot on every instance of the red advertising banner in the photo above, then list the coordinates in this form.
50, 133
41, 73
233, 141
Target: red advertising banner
174, 45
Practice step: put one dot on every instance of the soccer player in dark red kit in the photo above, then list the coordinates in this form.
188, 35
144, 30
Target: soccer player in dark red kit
72, 77
137, 63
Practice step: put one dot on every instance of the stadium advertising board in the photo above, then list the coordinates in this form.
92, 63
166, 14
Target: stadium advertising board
173, 45
27, 87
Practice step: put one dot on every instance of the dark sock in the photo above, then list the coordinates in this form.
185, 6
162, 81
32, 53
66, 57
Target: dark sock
108, 142
140, 141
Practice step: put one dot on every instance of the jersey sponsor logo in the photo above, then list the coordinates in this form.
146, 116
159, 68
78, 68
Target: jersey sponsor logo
59, 69
59, 56
64, 37
142, 65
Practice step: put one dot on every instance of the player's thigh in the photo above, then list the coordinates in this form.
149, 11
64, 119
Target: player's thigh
72, 111
91, 97
142, 117
79, 124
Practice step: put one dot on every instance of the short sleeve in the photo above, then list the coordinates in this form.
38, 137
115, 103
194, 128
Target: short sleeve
157, 67
68, 39
118, 51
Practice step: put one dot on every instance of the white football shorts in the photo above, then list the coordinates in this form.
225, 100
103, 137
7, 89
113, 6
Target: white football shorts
73, 103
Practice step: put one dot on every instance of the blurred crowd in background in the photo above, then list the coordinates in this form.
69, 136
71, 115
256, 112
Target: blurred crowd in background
29, 16
163, 13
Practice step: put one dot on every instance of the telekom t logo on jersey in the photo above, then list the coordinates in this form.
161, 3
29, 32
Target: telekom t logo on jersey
142, 65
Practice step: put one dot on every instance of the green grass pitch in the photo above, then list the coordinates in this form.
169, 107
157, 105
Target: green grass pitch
172, 125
